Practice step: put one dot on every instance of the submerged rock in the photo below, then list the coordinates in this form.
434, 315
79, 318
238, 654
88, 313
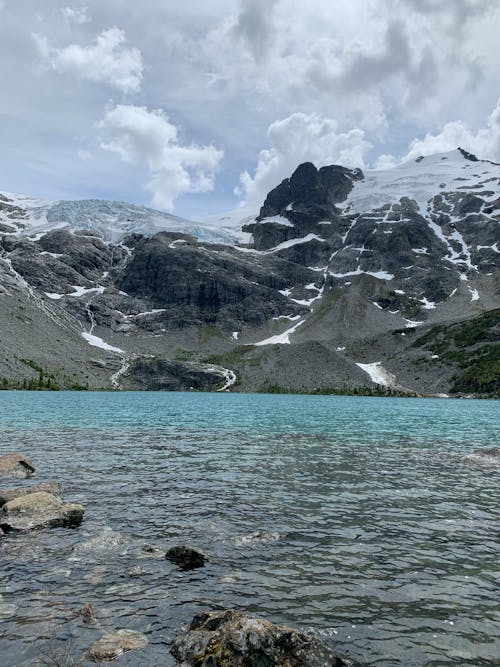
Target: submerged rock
55, 488
492, 452
113, 644
87, 613
186, 557
233, 639
15, 464
39, 510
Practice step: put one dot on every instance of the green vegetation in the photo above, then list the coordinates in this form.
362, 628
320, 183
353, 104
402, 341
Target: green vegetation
474, 347
208, 332
230, 358
335, 391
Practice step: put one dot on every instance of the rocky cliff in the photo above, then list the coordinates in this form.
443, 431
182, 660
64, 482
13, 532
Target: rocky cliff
327, 287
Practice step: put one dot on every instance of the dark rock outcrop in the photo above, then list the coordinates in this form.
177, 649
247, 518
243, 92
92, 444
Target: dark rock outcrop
310, 193
233, 639
186, 558
157, 374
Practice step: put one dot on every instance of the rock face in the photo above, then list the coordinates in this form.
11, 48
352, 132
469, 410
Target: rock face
39, 510
186, 557
352, 259
232, 639
164, 375
15, 464
113, 644
54, 488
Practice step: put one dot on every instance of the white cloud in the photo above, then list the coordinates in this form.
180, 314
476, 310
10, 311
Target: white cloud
78, 16
485, 142
145, 137
107, 60
301, 138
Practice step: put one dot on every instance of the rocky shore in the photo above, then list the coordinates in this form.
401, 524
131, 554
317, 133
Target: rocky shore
217, 639
221, 638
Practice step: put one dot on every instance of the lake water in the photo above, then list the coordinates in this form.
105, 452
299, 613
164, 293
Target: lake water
366, 520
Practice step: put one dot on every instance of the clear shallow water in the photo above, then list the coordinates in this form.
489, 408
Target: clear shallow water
366, 520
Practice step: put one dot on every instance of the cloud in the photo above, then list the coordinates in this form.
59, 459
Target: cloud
145, 137
454, 12
301, 138
255, 26
485, 142
107, 60
78, 16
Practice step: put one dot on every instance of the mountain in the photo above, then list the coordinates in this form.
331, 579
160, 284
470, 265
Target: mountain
331, 286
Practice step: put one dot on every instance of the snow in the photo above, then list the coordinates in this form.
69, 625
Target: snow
81, 291
421, 251
377, 305
474, 294
95, 341
399, 291
235, 335
416, 180
340, 348
146, 313
381, 275
292, 318
54, 295
114, 220
283, 338
293, 242
411, 324
378, 374
279, 219
428, 305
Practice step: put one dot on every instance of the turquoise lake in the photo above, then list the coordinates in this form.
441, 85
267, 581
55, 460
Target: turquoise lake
369, 521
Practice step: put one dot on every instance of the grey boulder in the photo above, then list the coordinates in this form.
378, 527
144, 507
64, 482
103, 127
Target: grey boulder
39, 510
55, 488
15, 464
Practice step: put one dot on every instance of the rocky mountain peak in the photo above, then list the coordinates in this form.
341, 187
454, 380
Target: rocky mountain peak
310, 191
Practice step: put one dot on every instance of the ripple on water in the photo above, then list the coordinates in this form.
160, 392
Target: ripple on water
367, 521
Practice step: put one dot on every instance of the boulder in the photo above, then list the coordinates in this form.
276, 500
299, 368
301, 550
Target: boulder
113, 644
186, 557
233, 639
39, 510
55, 488
15, 464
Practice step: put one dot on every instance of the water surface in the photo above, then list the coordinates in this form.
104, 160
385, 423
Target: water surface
366, 520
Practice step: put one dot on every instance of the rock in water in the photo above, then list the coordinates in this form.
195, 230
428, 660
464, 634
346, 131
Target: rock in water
233, 639
186, 557
55, 488
39, 510
492, 452
113, 644
15, 464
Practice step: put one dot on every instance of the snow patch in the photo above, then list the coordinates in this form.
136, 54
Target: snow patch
95, 341
378, 374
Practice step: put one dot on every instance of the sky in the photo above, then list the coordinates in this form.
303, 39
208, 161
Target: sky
198, 107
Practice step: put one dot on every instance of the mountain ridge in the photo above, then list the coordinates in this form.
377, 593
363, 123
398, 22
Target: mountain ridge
334, 258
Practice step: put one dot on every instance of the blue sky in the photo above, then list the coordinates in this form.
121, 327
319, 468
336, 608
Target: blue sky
194, 107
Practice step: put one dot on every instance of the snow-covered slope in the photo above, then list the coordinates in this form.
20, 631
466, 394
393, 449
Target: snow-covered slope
113, 220
422, 179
